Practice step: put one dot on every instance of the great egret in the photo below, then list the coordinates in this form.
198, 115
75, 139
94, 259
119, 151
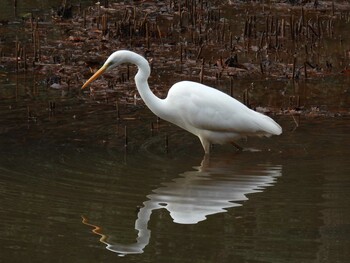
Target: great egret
208, 113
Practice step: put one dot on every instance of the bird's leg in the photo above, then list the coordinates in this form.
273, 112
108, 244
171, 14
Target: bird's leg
205, 162
239, 148
205, 144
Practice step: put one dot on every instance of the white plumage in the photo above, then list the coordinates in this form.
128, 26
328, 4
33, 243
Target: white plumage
208, 113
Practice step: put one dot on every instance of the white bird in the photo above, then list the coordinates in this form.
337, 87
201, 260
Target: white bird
213, 116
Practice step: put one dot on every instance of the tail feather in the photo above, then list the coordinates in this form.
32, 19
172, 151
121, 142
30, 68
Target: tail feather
268, 126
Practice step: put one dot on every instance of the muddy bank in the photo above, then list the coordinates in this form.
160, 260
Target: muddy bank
239, 47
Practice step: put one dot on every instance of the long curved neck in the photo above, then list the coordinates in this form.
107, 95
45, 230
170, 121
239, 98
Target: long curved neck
155, 104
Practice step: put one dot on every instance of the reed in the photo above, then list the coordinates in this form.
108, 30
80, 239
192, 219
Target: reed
201, 74
125, 137
166, 143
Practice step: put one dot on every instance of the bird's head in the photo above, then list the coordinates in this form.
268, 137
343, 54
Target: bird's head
114, 60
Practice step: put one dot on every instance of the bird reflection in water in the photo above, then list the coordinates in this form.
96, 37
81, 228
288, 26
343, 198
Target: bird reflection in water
211, 188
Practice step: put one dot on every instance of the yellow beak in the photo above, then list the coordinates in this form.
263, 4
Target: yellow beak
95, 76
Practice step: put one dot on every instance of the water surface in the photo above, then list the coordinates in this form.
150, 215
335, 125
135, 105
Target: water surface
70, 191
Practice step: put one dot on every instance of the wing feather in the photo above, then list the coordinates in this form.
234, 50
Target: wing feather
207, 108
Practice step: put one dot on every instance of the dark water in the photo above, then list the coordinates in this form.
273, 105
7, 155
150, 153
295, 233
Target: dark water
71, 192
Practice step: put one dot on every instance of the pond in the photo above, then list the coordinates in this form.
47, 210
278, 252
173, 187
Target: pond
82, 180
